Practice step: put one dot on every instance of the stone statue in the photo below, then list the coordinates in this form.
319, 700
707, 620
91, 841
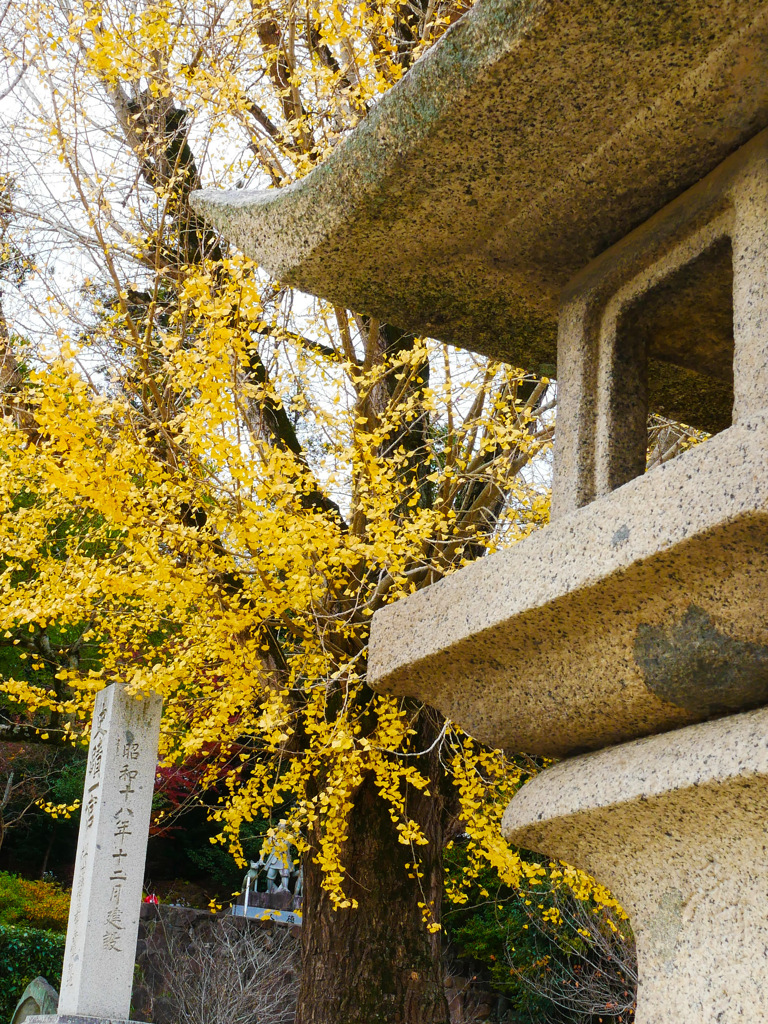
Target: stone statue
279, 866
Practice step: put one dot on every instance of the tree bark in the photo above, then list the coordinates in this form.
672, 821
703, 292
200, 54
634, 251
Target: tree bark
378, 963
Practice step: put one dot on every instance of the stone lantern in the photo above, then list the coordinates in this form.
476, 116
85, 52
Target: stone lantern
583, 184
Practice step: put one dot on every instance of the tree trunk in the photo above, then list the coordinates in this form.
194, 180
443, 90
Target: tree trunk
48, 849
376, 964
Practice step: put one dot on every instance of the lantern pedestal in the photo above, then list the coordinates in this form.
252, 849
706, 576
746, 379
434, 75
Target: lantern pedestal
676, 826
67, 1018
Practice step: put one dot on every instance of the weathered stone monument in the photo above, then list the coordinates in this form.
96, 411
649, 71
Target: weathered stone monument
104, 912
585, 183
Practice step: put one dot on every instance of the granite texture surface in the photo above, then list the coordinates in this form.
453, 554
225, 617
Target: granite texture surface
532, 137
638, 613
641, 606
689, 286
99, 957
677, 827
69, 1018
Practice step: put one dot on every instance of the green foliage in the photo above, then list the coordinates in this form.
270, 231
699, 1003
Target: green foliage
67, 787
518, 940
37, 904
34, 840
482, 931
215, 864
25, 954
186, 851
556, 953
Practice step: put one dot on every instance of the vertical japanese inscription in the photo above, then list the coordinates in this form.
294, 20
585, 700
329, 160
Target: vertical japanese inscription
94, 768
129, 751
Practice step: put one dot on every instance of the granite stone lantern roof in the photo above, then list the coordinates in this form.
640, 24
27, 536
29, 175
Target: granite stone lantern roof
532, 137
641, 606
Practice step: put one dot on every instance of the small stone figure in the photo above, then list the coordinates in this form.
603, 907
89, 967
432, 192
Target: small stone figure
252, 874
251, 880
279, 867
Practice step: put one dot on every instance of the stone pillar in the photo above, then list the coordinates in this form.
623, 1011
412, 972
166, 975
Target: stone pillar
602, 397
750, 289
676, 826
573, 482
109, 871
621, 432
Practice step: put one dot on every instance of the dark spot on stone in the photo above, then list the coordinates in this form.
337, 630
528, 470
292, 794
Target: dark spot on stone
621, 536
128, 736
696, 667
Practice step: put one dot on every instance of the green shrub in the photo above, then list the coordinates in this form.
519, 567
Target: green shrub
25, 954
554, 957
34, 903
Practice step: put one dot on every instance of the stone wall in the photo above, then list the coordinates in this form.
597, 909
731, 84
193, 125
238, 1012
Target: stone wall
165, 929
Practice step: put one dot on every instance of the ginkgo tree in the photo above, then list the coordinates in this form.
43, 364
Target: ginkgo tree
208, 484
